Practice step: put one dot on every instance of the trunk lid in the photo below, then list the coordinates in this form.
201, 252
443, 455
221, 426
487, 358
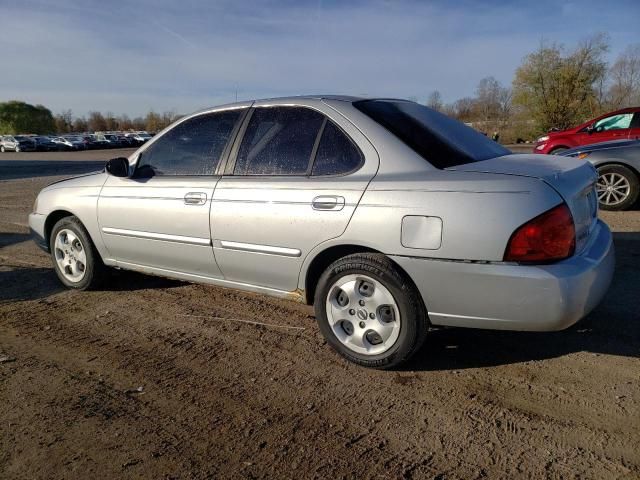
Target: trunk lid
572, 178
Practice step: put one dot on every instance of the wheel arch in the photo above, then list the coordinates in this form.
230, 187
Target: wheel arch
53, 218
618, 163
58, 214
558, 147
326, 257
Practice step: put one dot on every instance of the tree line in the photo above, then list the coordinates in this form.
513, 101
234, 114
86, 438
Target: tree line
19, 117
554, 87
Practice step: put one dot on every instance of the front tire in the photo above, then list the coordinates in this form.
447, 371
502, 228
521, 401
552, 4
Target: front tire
75, 258
558, 150
618, 187
369, 311
17, 148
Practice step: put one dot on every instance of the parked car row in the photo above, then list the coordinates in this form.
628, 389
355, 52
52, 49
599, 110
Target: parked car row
78, 141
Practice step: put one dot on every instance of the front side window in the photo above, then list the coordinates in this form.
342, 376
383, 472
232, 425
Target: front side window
336, 154
278, 141
193, 147
614, 122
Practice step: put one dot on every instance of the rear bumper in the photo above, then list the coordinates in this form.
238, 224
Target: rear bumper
515, 297
36, 226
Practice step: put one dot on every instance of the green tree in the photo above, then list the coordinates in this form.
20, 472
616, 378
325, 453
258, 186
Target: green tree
20, 117
556, 88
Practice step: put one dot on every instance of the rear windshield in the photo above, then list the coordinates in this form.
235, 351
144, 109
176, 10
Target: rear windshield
442, 141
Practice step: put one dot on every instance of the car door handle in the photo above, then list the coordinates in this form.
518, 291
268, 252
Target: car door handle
195, 198
328, 202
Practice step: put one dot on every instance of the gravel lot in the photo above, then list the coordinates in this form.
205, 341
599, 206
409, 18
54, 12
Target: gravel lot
154, 378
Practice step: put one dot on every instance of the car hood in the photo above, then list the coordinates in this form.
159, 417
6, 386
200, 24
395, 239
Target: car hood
92, 179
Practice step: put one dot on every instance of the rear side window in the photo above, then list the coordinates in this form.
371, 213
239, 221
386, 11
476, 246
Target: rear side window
336, 154
193, 147
278, 141
441, 140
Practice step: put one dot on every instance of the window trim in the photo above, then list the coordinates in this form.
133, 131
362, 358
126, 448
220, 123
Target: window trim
224, 155
233, 156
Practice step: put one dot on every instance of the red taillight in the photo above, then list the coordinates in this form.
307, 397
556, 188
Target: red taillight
550, 236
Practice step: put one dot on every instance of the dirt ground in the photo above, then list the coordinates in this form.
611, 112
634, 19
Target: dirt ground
153, 378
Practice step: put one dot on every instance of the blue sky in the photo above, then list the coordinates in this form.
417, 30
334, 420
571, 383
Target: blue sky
182, 55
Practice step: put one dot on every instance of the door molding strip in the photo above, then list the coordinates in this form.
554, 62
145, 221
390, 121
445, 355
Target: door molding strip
255, 248
163, 237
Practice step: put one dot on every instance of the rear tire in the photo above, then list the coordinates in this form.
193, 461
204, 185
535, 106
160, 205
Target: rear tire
369, 311
75, 258
618, 187
2, 149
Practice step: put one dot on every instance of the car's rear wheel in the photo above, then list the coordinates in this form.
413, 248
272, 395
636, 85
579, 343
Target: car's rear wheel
618, 187
2, 149
369, 311
75, 258
17, 148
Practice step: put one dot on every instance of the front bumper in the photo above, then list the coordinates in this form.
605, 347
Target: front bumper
36, 226
515, 297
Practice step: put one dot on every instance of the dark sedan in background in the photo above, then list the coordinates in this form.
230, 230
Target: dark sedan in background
618, 165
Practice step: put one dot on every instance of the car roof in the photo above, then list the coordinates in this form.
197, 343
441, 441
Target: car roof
291, 99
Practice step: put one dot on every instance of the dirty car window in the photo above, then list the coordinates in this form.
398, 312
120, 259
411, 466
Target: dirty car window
193, 147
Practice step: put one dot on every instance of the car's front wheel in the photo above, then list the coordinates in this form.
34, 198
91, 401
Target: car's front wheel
75, 258
369, 311
618, 187
17, 148
558, 150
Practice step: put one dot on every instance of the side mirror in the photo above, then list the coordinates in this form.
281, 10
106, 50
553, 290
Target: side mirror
118, 167
590, 129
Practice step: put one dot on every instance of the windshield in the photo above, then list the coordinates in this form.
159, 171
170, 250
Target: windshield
439, 139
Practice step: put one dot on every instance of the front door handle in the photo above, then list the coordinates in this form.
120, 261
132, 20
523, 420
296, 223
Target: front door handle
195, 198
328, 202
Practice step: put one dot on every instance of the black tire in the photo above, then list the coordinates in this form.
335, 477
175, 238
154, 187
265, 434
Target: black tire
558, 150
634, 184
2, 149
17, 148
414, 321
95, 270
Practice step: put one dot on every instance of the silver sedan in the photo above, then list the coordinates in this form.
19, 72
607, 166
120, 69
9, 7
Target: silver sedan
388, 216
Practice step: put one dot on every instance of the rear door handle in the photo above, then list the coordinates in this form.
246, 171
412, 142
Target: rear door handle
195, 198
328, 202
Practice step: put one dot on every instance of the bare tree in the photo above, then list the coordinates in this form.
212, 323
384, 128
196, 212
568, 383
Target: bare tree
96, 122
624, 74
64, 121
434, 100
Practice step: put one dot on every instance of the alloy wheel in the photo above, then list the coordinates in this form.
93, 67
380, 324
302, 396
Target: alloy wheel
612, 188
70, 255
363, 314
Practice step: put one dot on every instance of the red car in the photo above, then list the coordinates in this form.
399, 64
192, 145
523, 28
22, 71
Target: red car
619, 125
